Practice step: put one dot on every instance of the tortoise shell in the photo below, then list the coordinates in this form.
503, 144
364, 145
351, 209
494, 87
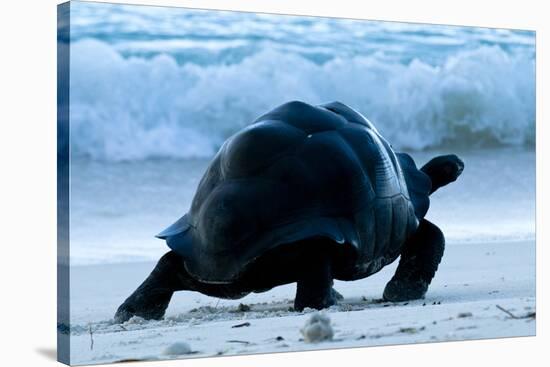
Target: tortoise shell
299, 172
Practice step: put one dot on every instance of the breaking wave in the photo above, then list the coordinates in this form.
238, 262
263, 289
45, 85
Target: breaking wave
130, 108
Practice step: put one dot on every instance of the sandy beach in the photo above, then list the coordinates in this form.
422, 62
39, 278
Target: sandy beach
482, 290
149, 113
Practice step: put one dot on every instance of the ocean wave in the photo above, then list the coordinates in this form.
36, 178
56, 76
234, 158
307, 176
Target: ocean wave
136, 108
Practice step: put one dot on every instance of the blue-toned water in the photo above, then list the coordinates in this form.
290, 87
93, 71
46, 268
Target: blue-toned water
172, 82
155, 91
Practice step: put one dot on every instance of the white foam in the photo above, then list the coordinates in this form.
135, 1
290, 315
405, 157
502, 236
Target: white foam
134, 108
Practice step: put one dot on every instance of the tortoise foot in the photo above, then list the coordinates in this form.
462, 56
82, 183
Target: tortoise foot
314, 302
399, 290
149, 305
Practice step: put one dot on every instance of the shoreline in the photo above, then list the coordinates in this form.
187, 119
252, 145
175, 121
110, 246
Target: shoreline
461, 304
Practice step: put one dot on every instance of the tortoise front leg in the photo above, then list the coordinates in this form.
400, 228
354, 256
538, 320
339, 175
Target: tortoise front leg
420, 258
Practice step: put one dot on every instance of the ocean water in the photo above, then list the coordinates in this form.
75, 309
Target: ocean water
118, 207
155, 92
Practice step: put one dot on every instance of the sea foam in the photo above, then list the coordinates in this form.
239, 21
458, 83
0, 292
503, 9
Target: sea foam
131, 108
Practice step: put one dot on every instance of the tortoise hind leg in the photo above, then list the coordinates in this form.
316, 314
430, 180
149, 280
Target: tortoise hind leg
150, 300
420, 258
314, 286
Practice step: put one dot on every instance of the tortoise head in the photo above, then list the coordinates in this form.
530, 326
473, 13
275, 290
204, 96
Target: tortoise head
443, 170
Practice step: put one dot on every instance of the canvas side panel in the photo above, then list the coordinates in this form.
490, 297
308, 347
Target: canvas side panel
63, 243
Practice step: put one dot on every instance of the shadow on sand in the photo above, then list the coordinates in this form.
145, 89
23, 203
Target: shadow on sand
49, 353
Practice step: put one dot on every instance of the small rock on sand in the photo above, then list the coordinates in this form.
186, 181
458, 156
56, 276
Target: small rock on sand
317, 328
243, 308
176, 349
